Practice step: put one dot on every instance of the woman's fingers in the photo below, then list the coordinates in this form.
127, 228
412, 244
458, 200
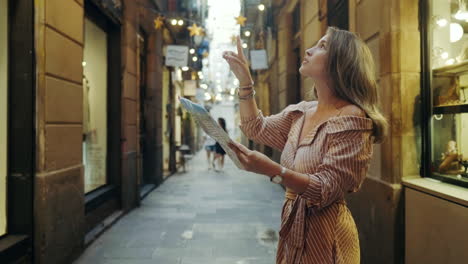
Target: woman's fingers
230, 53
234, 59
241, 155
240, 52
242, 148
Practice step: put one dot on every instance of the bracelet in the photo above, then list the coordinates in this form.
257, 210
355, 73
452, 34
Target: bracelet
247, 86
246, 97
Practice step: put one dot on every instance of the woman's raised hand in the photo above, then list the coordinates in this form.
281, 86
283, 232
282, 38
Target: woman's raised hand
239, 64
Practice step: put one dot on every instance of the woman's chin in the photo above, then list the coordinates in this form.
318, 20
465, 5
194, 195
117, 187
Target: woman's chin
301, 71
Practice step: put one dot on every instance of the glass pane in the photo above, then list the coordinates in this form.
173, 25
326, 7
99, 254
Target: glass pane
449, 60
94, 106
3, 114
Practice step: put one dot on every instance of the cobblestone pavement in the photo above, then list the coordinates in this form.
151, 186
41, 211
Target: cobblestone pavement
196, 217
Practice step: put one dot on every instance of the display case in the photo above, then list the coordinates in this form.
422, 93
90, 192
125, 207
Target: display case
445, 90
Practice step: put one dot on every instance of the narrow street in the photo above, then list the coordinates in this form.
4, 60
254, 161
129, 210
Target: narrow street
197, 217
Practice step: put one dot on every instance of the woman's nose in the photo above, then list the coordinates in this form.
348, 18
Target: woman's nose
309, 52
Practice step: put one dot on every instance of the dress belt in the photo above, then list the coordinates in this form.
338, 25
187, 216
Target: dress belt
293, 228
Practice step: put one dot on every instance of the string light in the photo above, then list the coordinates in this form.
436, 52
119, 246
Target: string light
247, 33
194, 58
192, 51
160, 17
245, 45
442, 22
261, 7
185, 68
456, 32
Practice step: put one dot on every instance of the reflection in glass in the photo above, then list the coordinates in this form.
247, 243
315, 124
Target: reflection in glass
449, 61
94, 106
3, 114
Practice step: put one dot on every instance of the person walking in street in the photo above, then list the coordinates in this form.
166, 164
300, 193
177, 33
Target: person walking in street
326, 147
210, 150
218, 149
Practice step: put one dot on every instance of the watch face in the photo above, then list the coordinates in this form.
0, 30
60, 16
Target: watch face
277, 179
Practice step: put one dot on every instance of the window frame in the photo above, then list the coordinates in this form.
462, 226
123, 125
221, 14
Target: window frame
111, 190
335, 11
5, 148
426, 169
18, 242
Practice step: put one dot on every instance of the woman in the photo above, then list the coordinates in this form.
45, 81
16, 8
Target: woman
219, 151
209, 148
326, 147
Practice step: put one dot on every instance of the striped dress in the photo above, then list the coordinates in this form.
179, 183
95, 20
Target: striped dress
317, 226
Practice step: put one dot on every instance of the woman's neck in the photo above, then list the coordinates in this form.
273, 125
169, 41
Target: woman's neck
326, 99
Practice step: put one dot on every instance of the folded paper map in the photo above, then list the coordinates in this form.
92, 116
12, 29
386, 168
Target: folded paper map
211, 127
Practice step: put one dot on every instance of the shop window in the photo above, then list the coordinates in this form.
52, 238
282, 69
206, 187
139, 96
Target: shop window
95, 87
3, 114
445, 89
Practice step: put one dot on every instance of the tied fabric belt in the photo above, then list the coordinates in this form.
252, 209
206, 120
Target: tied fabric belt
293, 229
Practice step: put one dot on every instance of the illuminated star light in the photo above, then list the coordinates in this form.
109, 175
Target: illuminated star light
241, 20
195, 30
233, 39
158, 22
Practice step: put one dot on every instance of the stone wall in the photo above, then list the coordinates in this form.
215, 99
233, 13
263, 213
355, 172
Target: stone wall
59, 190
59, 204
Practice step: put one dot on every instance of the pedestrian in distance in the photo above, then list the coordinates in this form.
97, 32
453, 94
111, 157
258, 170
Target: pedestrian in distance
210, 150
219, 151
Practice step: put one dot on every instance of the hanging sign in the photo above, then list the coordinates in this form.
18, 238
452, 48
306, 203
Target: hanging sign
177, 56
258, 59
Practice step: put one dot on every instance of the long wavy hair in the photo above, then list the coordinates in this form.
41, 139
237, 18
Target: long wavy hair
352, 71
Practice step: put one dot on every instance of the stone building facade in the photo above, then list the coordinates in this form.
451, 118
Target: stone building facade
58, 52
391, 200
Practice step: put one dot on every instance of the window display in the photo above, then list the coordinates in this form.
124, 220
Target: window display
94, 106
3, 113
448, 45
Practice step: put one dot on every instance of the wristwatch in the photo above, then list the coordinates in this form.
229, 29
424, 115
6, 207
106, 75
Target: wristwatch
278, 178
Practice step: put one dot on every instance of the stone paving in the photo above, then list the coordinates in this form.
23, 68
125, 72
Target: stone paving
198, 217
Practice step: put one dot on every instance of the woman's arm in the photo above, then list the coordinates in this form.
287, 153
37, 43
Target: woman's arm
343, 169
271, 131
240, 67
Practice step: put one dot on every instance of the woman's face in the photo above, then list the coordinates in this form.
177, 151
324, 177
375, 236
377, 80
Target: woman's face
315, 59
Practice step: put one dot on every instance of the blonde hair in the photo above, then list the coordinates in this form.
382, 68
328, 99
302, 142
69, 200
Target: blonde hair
351, 68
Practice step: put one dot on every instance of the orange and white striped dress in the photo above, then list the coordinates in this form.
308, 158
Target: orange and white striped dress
317, 226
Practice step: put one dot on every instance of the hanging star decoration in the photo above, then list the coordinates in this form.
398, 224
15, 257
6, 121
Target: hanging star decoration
233, 39
159, 22
241, 20
195, 30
